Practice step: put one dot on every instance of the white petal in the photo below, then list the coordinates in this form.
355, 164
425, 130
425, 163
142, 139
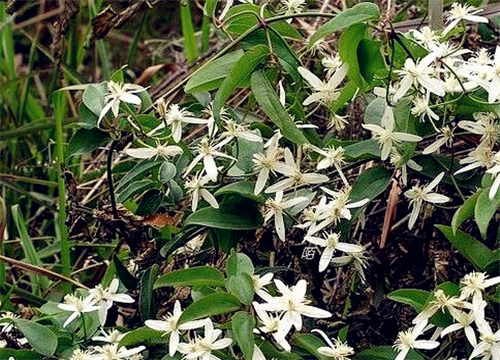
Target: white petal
158, 325
434, 182
312, 79
261, 181
209, 198
280, 226
436, 198
325, 259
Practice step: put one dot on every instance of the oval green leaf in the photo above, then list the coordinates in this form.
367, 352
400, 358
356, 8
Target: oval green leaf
195, 276
243, 324
357, 14
238, 263
146, 297
241, 286
40, 337
216, 218
210, 305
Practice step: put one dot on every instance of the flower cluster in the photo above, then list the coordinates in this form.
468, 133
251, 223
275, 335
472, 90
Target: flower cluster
468, 312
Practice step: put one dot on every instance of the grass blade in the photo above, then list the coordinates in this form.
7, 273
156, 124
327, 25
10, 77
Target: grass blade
190, 46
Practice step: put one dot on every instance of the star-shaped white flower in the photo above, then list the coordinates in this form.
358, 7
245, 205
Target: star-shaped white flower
408, 340
385, 134
489, 347
337, 350
418, 195
148, 152
474, 284
294, 176
265, 162
202, 348
175, 117
113, 352
275, 207
461, 12
293, 306
114, 336
331, 243
78, 306
326, 92
195, 185
419, 74
119, 92
170, 325
104, 298
270, 325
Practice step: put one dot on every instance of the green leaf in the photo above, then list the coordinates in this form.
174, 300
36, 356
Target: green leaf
465, 211
39, 337
93, 97
150, 202
241, 285
374, 111
146, 297
19, 354
485, 209
357, 14
385, 353
346, 94
414, 297
242, 324
216, 218
85, 141
195, 276
209, 8
268, 100
370, 183
124, 275
135, 172
309, 342
371, 63
143, 335
366, 149
246, 150
243, 188
212, 75
238, 263
190, 47
134, 188
243, 68
472, 249
240, 18
348, 51
210, 305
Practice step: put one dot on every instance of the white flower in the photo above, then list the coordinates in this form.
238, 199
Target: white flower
259, 283
408, 340
265, 163
489, 347
421, 108
113, 352
294, 176
195, 186
104, 298
485, 125
293, 304
440, 303
119, 92
464, 321
80, 354
78, 306
235, 130
207, 152
336, 350
425, 37
114, 336
7, 326
331, 64
494, 85
175, 117
193, 245
202, 348
400, 162
418, 195
474, 284
337, 122
312, 215
271, 324
461, 12
358, 260
385, 134
170, 325
419, 74
164, 151
332, 157
275, 207
337, 209
445, 137
326, 92
331, 243
482, 156
495, 171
